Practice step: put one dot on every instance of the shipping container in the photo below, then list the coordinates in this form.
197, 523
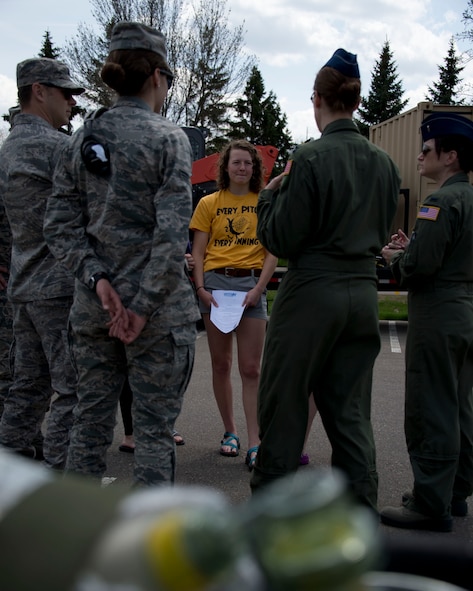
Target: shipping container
400, 137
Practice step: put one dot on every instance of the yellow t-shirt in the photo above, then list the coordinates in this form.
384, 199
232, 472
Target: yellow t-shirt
230, 220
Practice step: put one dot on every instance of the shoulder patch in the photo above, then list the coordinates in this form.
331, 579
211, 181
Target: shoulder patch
428, 212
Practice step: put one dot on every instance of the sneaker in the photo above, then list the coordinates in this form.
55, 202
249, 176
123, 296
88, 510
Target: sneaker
304, 460
459, 507
407, 518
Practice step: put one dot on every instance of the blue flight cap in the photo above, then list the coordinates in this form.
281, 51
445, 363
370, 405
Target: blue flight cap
441, 123
344, 62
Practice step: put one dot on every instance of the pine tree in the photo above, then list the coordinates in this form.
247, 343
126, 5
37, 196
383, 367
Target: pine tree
204, 51
385, 96
48, 49
445, 90
260, 120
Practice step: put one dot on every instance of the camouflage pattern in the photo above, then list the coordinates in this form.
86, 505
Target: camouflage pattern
129, 35
28, 157
40, 290
6, 317
6, 348
42, 366
158, 365
46, 71
132, 225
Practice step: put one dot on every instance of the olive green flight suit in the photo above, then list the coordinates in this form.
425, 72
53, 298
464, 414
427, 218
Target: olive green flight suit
437, 269
330, 218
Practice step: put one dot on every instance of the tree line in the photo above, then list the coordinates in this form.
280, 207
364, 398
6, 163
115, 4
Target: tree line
218, 87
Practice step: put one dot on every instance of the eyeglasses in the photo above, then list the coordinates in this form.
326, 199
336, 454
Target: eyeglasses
67, 94
426, 149
169, 77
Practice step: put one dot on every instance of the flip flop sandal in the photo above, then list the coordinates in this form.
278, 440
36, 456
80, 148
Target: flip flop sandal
230, 440
250, 459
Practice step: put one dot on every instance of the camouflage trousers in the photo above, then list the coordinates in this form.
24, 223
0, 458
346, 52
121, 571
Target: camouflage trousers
6, 347
42, 366
158, 365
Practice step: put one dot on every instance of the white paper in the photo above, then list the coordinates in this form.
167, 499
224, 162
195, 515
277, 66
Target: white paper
230, 309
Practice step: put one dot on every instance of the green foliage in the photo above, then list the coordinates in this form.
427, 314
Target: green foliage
211, 69
48, 49
85, 55
363, 127
390, 306
385, 96
445, 89
204, 52
258, 118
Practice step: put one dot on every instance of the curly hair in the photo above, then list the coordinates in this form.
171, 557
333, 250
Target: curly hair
340, 92
256, 181
126, 70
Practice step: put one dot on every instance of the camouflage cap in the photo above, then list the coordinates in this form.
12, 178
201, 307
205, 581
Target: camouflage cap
45, 71
130, 35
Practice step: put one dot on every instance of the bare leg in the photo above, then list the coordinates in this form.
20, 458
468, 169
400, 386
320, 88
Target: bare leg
220, 347
250, 339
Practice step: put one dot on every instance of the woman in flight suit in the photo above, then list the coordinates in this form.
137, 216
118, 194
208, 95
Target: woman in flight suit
329, 215
436, 266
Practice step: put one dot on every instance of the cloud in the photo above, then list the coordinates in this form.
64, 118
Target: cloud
293, 40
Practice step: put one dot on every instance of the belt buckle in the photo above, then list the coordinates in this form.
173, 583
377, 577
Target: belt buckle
229, 271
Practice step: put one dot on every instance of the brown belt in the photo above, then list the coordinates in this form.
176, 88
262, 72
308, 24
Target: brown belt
232, 272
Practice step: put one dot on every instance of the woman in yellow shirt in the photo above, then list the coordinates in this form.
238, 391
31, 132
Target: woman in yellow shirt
228, 255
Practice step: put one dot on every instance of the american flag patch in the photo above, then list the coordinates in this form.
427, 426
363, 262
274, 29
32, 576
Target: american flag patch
288, 167
427, 212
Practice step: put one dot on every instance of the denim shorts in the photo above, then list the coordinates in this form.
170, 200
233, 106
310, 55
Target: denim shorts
214, 280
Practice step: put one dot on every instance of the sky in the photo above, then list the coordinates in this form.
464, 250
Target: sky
291, 40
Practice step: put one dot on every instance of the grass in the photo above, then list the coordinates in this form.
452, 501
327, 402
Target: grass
392, 306
270, 295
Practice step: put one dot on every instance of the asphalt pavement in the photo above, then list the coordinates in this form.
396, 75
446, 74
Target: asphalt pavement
199, 461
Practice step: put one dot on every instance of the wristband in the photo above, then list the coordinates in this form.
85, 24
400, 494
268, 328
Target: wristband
197, 289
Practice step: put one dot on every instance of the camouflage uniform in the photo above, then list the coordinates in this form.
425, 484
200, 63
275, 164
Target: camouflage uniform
131, 225
6, 328
41, 294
